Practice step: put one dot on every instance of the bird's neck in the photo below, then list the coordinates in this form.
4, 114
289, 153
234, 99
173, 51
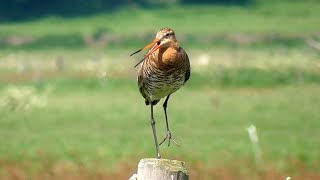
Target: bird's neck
173, 45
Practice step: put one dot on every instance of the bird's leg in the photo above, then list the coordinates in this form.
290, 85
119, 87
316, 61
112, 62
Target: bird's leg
153, 125
169, 136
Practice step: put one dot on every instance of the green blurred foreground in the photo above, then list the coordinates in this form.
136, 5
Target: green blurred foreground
90, 114
75, 112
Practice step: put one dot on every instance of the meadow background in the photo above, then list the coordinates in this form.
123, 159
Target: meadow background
70, 106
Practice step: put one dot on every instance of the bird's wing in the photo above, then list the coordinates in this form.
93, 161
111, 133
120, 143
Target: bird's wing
187, 66
140, 80
141, 84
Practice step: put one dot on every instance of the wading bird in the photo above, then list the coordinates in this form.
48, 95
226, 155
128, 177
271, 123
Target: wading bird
164, 69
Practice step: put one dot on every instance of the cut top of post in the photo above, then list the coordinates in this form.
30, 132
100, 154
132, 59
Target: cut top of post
162, 169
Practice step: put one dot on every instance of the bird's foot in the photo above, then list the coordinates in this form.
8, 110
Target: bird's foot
169, 137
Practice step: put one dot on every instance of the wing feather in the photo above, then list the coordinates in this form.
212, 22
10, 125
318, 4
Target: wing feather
188, 70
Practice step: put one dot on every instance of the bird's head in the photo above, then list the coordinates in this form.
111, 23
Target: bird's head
164, 38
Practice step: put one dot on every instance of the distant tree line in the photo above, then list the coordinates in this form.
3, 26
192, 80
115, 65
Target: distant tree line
11, 10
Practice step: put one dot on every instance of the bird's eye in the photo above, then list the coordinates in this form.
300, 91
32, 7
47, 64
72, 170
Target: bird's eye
167, 34
158, 43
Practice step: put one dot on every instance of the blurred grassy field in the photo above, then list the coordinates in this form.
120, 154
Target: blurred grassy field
94, 124
275, 16
273, 23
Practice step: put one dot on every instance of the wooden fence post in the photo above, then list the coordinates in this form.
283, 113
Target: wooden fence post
161, 169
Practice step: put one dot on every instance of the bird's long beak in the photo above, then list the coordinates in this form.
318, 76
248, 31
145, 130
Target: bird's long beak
147, 46
155, 45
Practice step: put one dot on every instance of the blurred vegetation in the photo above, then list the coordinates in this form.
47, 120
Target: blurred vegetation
29, 9
68, 94
281, 24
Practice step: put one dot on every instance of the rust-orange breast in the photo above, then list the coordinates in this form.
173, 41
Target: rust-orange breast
168, 58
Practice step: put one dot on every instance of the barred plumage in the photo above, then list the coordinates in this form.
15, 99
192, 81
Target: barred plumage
163, 71
155, 83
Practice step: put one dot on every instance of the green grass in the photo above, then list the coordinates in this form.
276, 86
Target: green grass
282, 17
101, 121
285, 23
95, 116
110, 125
